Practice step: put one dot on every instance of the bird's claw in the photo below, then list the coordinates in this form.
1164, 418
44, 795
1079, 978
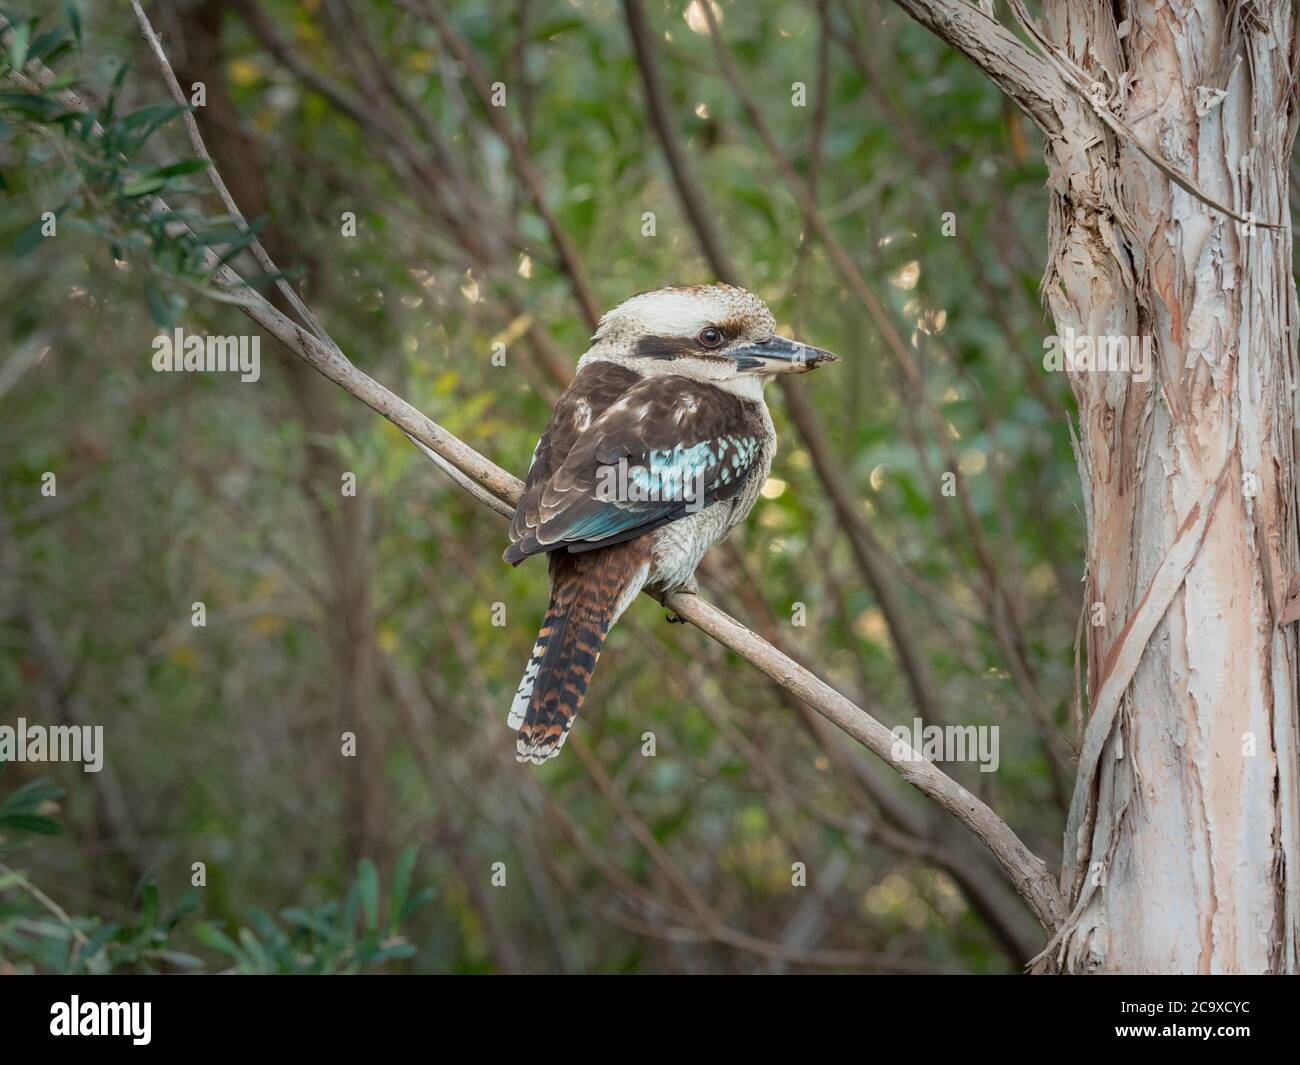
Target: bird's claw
689, 587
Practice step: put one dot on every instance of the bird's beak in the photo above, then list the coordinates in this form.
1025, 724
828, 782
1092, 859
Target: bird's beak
779, 355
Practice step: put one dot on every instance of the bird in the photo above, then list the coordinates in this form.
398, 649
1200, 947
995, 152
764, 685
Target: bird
657, 449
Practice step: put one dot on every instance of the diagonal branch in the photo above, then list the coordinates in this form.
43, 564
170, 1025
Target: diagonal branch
1026, 870
1041, 85
1121, 664
1130, 646
1001, 604
1077, 78
434, 10
1032, 82
200, 149
695, 204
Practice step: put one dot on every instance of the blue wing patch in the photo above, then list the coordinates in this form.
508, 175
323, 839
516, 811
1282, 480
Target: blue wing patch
666, 448
642, 493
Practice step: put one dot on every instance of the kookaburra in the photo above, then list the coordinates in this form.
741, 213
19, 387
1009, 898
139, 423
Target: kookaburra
655, 452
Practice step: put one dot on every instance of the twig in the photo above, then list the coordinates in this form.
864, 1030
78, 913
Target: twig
1039, 85
1007, 626
568, 256
45, 901
196, 141
1074, 77
1027, 872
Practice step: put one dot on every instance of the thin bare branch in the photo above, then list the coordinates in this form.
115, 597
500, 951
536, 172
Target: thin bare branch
1032, 82
1027, 872
196, 141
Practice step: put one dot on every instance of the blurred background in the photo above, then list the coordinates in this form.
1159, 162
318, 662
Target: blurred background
866, 182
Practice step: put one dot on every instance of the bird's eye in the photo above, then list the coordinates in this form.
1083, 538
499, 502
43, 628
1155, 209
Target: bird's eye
710, 337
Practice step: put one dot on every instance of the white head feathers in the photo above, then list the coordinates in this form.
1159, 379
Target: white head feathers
684, 311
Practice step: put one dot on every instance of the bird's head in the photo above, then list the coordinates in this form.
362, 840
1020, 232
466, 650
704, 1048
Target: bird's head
714, 333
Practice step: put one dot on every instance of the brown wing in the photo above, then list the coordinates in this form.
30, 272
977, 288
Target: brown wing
594, 389
660, 438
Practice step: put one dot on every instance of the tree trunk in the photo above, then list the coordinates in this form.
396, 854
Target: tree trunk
1181, 848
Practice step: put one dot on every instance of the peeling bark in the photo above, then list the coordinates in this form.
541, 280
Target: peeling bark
1189, 838
1182, 848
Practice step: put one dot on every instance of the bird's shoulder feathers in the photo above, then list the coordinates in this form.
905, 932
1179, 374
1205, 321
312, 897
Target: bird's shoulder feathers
651, 439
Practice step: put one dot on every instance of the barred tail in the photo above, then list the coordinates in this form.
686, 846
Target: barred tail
589, 591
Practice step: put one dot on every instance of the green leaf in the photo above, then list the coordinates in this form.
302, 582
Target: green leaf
304, 918
96, 941
68, 77
31, 795
417, 901
22, 35
397, 950
176, 957
74, 19
37, 825
188, 904
29, 238
185, 166
368, 883
261, 280
224, 234
142, 186
256, 952
149, 907
214, 939
153, 115
352, 909
401, 885
140, 125
160, 307
110, 105
34, 105
555, 27
46, 46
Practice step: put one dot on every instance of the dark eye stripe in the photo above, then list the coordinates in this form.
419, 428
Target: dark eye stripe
657, 347
673, 347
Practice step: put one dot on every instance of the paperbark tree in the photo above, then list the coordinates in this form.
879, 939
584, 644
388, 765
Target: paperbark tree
1168, 131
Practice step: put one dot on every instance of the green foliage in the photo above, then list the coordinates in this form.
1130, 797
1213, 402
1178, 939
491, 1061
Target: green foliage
21, 810
107, 188
344, 936
336, 937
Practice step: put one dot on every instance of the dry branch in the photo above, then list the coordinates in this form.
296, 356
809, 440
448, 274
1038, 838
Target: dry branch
493, 485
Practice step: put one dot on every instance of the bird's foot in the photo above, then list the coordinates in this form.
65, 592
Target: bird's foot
689, 587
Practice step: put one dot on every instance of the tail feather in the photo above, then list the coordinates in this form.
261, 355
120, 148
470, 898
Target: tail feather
588, 593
